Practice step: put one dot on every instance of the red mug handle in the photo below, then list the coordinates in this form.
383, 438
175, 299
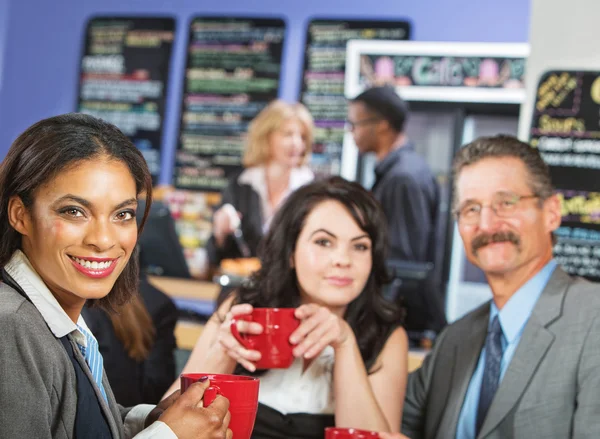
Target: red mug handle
210, 394
241, 338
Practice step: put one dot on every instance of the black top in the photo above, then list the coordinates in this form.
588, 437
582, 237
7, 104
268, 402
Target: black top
271, 424
409, 195
246, 201
90, 421
136, 382
410, 198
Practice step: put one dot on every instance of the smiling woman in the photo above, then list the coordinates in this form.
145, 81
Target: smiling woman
80, 233
324, 255
40, 204
68, 197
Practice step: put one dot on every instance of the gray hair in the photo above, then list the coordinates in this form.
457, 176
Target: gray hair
506, 146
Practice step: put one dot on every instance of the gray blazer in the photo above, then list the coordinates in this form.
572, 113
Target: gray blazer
551, 388
38, 394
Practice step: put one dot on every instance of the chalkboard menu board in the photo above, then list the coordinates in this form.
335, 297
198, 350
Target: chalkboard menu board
232, 73
323, 80
124, 77
566, 129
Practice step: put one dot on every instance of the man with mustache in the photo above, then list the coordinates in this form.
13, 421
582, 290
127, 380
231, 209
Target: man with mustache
526, 364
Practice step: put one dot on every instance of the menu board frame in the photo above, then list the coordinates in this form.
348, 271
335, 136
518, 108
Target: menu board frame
478, 93
266, 21
150, 142
565, 127
326, 162
439, 94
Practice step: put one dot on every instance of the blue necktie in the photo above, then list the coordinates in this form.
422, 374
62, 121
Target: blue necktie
491, 372
93, 358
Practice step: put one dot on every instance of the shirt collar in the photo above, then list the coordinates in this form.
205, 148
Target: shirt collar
255, 177
389, 160
21, 270
515, 313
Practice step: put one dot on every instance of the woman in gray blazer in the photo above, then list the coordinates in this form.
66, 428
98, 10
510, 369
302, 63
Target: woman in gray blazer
68, 194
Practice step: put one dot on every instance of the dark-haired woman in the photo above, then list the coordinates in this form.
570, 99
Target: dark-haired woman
324, 255
68, 196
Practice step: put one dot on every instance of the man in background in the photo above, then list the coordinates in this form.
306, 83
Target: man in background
409, 194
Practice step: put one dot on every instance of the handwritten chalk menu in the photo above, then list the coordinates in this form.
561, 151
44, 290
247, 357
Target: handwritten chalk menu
442, 71
566, 129
232, 73
323, 81
124, 76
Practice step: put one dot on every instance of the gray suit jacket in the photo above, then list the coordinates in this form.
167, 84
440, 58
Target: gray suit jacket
551, 388
38, 394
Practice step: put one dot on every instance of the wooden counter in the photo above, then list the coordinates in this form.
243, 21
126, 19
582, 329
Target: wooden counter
415, 358
186, 334
186, 288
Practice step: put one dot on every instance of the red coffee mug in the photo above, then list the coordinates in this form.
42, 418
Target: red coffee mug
242, 393
274, 342
348, 433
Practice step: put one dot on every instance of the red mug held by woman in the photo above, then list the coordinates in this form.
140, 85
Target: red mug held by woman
274, 342
242, 393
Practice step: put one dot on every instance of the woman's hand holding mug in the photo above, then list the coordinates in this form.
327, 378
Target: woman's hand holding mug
319, 328
230, 346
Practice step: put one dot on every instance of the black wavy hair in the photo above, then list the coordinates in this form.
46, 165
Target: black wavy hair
371, 316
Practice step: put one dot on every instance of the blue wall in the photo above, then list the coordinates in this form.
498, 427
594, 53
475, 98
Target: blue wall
44, 38
3, 30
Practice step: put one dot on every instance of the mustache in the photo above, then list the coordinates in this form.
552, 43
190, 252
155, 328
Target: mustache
485, 239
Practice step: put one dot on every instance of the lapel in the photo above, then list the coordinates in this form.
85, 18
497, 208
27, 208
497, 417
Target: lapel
114, 407
113, 417
534, 343
113, 423
466, 355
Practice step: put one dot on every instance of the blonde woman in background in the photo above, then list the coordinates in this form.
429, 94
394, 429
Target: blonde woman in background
275, 164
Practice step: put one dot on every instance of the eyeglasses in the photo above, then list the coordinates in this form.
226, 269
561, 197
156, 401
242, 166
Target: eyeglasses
504, 205
350, 126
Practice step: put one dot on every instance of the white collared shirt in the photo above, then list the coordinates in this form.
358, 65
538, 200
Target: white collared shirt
60, 324
256, 178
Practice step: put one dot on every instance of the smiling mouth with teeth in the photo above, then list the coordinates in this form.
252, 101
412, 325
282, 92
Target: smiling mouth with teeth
95, 268
93, 265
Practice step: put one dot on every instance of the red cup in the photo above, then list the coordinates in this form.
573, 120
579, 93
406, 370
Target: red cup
348, 433
242, 393
274, 342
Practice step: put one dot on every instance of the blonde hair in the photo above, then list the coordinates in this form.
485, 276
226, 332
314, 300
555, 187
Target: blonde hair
270, 119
